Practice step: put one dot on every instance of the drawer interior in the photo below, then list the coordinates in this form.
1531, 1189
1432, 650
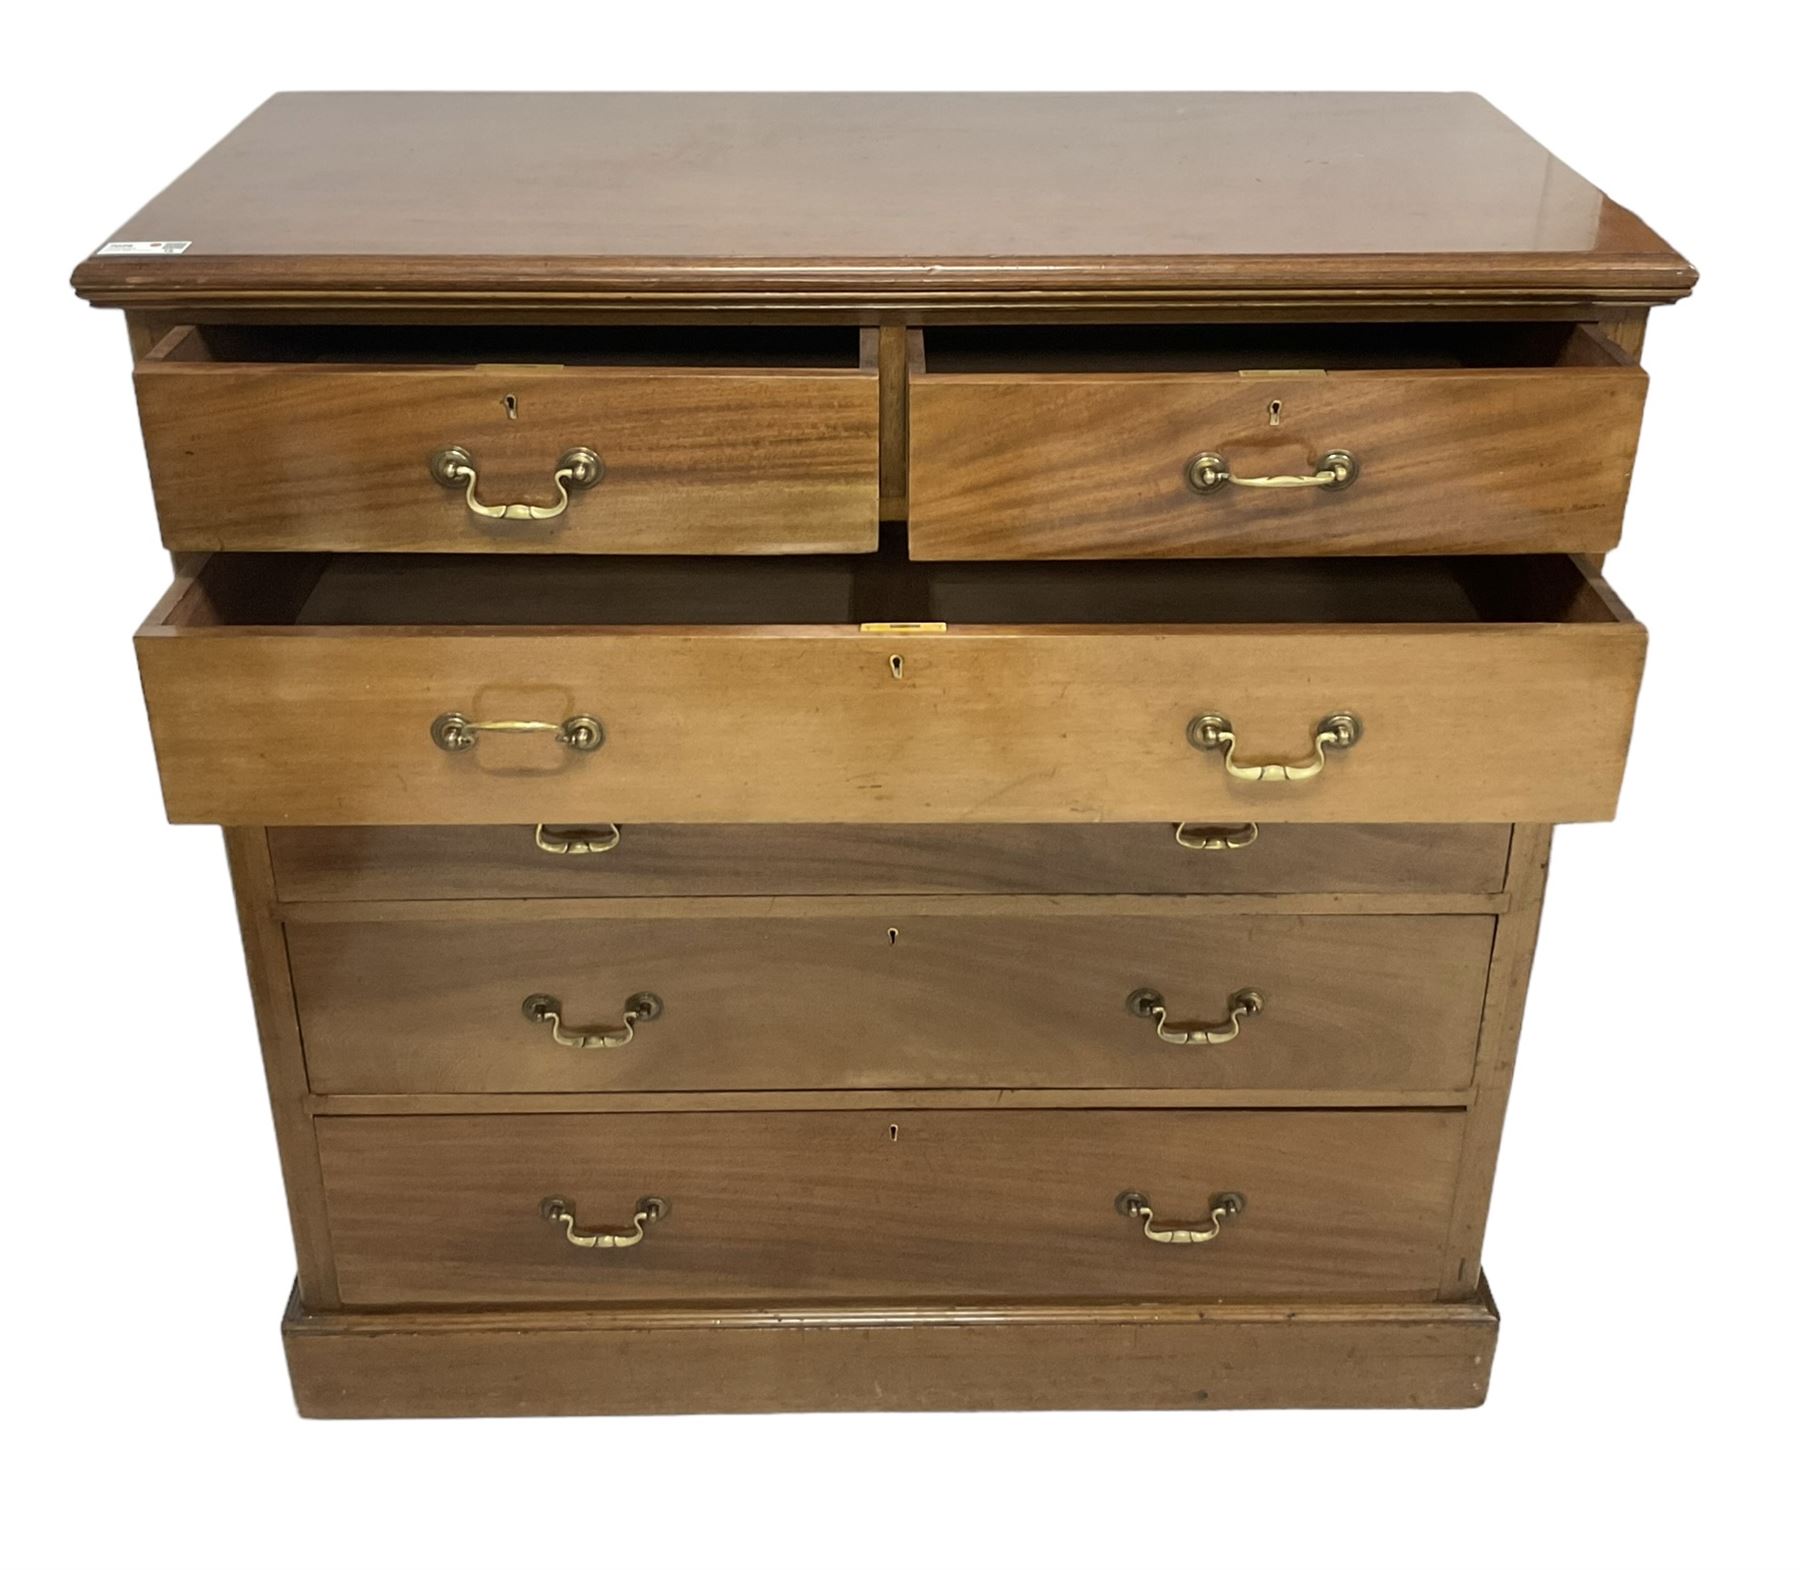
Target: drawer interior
372, 590
688, 348
1237, 347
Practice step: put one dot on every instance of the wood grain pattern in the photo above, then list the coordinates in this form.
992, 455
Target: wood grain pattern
278, 1032
1502, 1022
659, 859
345, 201
972, 1206
334, 457
1471, 460
799, 1358
1475, 723
940, 1001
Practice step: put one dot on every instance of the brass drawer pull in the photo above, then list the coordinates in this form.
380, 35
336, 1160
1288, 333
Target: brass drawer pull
1148, 1004
1136, 1207
1213, 836
576, 842
579, 467
560, 1212
1209, 473
455, 732
1213, 732
640, 1008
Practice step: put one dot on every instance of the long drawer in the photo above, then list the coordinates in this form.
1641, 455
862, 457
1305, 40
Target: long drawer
464, 439
910, 1206
367, 690
890, 1000
1256, 441
575, 861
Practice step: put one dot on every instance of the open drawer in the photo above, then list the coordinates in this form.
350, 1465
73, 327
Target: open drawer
346, 689
692, 440
1255, 441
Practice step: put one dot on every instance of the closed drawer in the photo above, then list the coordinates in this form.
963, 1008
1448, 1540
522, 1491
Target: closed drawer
1067, 442
899, 997
888, 1207
351, 689
699, 441
575, 861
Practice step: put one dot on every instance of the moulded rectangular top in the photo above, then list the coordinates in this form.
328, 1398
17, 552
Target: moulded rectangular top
883, 200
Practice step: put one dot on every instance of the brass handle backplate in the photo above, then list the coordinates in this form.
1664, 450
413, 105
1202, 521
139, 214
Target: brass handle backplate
1213, 733
579, 468
640, 1008
576, 842
1215, 836
560, 1212
1223, 1207
1210, 474
455, 732
1146, 1003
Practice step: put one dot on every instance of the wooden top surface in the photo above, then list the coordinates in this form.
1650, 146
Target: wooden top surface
881, 199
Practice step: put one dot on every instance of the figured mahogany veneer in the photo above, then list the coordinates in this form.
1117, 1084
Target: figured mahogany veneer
882, 620
296, 440
1340, 1206
1077, 442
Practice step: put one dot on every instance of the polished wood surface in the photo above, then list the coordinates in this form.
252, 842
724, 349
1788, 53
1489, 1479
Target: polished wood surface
1017, 1357
284, 1066
971, 1206
1094, 462
883, 607
1480, 721
322, 199
698, 860
891, 1001
332, 456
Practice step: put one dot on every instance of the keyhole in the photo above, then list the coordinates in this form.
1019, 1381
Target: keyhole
1274, 411
893, 1132
893, 936
512, 406
897, 665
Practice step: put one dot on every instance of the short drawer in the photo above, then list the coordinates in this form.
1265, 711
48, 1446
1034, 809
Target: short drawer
347, 689
602, 440
888, 1207
1164, 441
898, 998
633, 860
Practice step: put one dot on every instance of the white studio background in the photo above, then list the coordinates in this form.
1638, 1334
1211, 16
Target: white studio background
1641, 1242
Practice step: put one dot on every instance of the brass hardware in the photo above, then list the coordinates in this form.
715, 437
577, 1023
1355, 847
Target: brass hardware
1191, 836
457, 732
1148, 1004
904, 626
561, 1212
1213, 732
640, 1008
576, 842
1209, 473
579, 468
1274, 411
897, 666
1223, 1207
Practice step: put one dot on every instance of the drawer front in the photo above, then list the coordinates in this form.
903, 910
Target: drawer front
523, 861
323, 726
305, 457
1096, 465
889, 1207
894, 999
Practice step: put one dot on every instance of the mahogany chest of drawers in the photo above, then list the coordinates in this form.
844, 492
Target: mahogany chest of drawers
887, 751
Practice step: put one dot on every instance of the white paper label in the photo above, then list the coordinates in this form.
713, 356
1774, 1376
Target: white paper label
143, 247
